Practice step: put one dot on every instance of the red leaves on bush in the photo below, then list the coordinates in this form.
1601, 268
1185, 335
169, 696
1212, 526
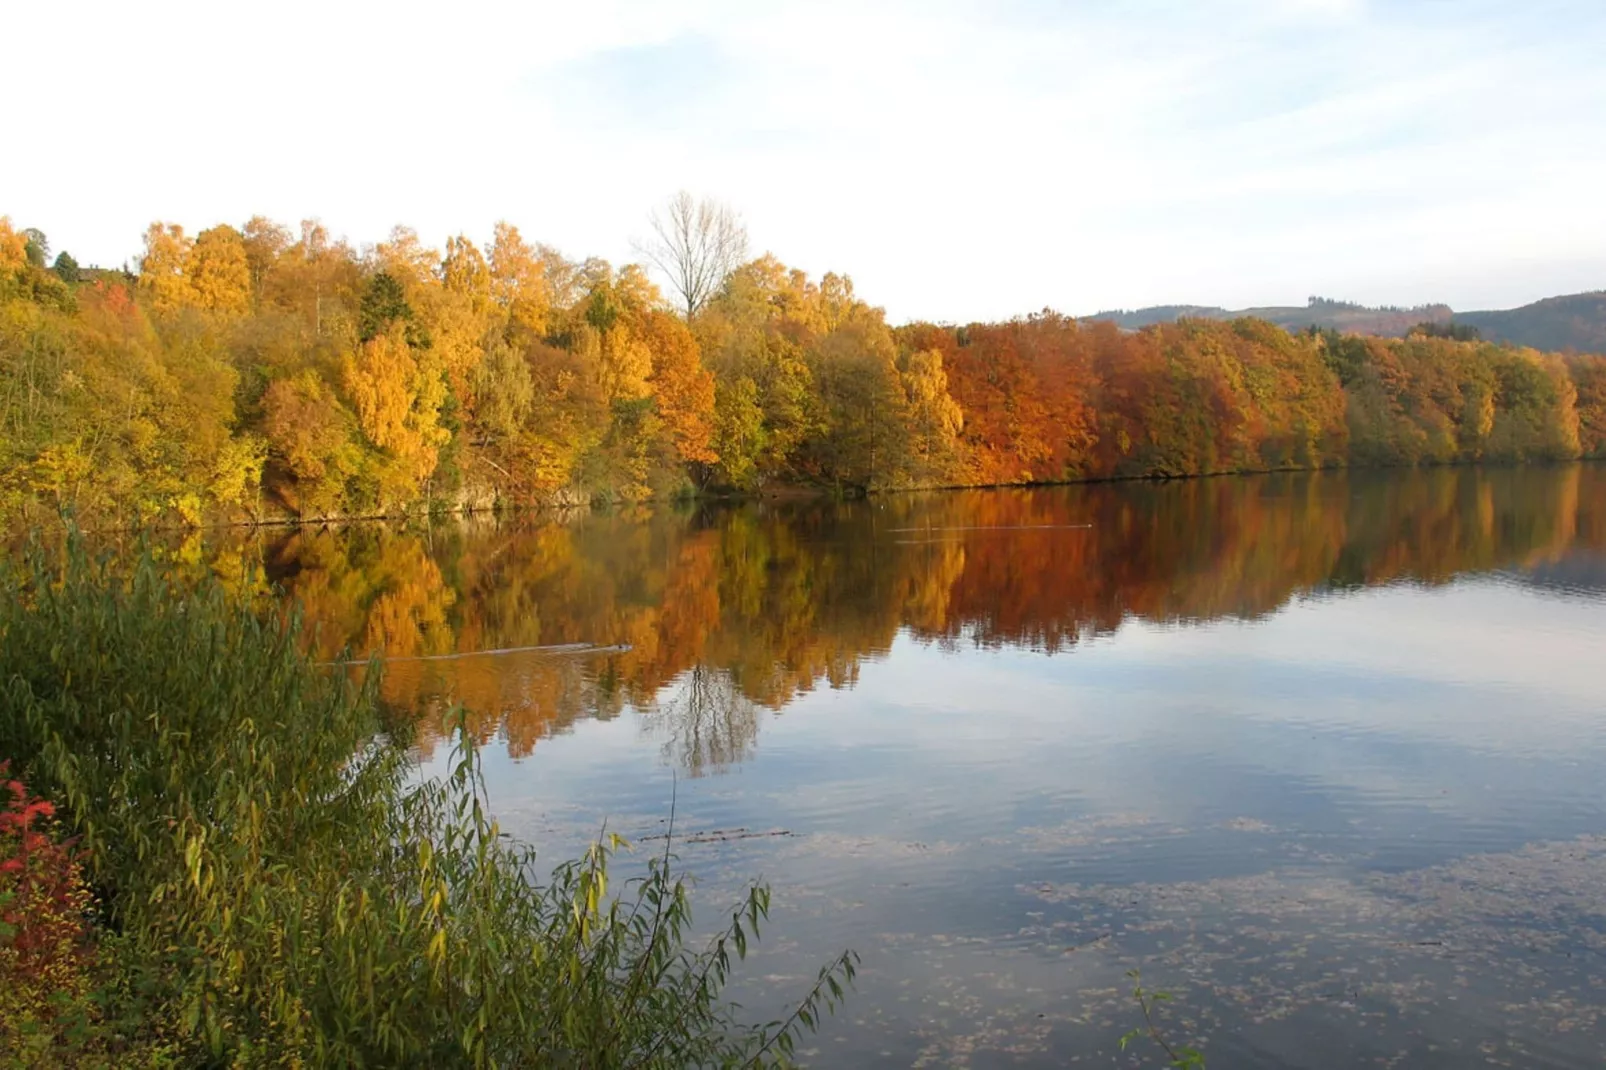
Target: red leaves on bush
44, 938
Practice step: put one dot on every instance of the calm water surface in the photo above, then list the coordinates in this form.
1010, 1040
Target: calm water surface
1323, 755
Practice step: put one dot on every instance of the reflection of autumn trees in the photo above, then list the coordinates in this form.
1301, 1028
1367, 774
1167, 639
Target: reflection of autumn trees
709, 617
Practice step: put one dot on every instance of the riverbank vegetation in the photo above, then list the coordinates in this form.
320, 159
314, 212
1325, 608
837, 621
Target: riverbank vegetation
215, 852
254, 372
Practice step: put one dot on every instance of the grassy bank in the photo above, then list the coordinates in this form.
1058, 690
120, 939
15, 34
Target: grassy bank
255, 877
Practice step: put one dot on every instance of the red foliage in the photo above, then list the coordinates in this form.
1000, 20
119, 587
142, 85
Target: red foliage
114, 297
44, 944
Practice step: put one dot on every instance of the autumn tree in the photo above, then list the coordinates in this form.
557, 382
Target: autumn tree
310, 432
316, 279
758, 330
520, 284
462, 315
264, 242
739, 433
219, 271
162, 282
862, 442
269, 365
609, 341
1008, 433
13, 248
682, 388
397, 403
504, 392
935, 419
1588, 374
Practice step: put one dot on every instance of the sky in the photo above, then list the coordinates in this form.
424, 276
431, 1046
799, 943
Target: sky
959, 159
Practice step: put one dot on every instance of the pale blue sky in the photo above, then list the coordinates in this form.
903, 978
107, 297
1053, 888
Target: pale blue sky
959, 159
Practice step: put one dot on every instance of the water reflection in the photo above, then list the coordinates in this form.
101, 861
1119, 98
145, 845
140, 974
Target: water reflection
1320, 753
719, 612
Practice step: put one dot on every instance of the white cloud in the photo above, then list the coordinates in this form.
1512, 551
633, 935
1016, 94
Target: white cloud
960, 159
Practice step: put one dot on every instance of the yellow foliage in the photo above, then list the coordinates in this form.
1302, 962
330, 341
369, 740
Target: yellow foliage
264, 242
13, 247
397, 401
408, 259
238, 469
519, 283
508, 371
458, 315
219, 271
380, 380
59, 470
162, 281
316, 278
935, 418
623, 365
305, 424
310, 432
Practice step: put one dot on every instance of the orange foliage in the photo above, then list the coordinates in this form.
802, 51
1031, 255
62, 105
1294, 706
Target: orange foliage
684, 389
249, 364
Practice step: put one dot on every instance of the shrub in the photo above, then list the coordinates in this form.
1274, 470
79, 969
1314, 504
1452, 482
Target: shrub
46, 954
286, 892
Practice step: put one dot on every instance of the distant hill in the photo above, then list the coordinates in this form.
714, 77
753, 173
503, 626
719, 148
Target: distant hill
1575, 322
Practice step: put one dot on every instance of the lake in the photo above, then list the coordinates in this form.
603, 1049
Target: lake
1323, 755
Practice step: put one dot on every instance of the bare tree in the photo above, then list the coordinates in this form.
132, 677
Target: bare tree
709, 723
697, 244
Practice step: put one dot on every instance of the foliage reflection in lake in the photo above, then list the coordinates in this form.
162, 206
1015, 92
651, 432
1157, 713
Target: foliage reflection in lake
1319, 752
718, 611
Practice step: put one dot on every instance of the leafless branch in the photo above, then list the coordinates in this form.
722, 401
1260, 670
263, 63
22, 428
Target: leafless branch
696, 244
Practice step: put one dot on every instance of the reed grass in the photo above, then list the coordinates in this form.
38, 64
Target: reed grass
277, 887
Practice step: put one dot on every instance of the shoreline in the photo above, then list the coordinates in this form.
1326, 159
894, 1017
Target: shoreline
790, 493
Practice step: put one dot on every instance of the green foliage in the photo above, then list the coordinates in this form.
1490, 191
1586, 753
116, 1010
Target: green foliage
1180, 1057
66, 268
623, 465
38, 248
286, 893
1456, 332
739, 433
385, 302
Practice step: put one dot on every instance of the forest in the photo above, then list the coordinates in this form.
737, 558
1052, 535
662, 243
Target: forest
260, 373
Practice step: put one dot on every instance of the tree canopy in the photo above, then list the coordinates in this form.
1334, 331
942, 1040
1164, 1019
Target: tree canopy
267, 370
